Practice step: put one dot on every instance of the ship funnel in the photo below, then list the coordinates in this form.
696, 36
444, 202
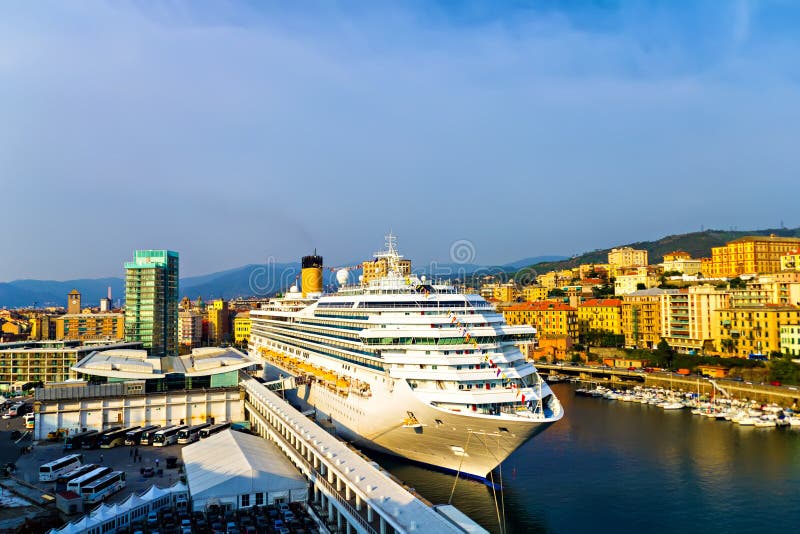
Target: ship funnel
311, 275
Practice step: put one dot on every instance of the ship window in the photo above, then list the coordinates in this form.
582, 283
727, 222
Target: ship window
438, 422
503, 429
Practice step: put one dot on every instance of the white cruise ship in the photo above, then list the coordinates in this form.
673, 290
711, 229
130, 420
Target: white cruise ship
410, 368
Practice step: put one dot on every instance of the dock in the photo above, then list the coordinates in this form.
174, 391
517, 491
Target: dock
353, 493
765, 393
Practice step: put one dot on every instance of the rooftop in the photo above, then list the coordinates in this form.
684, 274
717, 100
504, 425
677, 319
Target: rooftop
542, 305
608, 303
135, 364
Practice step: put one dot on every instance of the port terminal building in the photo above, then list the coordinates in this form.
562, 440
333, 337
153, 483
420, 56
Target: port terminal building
127, 387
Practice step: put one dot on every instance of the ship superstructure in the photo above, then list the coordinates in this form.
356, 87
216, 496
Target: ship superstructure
410, 367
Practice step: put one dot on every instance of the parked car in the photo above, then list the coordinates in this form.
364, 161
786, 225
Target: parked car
148, 472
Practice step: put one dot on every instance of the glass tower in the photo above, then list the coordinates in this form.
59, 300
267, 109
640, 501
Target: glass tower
151, 301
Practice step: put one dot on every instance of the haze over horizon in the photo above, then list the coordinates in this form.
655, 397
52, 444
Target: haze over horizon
236, 131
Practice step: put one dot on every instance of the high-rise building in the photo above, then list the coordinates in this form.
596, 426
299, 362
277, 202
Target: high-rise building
190, 328
151, 300
73, 302
219, 319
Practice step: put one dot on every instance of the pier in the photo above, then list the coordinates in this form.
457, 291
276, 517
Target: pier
766, 393
351, 493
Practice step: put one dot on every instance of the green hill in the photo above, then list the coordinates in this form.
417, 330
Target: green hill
698, 244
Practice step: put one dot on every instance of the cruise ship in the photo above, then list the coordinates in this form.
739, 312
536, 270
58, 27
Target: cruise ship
406, 366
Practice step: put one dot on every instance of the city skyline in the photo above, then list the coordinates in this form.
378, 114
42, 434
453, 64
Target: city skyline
237, 132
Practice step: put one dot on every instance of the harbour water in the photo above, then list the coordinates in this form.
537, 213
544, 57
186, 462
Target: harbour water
629, 467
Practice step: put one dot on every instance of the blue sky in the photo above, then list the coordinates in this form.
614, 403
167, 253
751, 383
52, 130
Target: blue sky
234, 131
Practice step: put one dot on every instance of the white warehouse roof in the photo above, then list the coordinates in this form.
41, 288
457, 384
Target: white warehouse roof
234, 463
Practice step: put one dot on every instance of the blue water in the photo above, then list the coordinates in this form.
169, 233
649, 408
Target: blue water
627, 467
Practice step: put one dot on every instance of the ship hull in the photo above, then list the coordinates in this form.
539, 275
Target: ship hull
472, 445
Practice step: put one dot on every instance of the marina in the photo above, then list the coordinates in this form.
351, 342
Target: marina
634, 467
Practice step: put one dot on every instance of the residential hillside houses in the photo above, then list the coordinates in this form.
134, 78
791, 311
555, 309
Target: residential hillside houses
743, 300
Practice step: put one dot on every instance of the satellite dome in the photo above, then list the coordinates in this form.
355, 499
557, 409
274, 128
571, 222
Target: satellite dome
341, 276
423, 278
293, 289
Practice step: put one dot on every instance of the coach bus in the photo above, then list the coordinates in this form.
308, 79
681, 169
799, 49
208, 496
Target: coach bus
77, 484
93, 441
168, 436
52, 470
76, 440
63, 480
100, 489
116, 438
191, 434
213, 429
134, 436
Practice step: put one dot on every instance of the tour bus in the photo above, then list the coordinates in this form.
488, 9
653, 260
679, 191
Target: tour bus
168, 436
112, 439
133, 437
213, 429
93, 441
191, 434
147, 437
76, 440
77, 483
51, 470
30, 420
105, 487
63, 480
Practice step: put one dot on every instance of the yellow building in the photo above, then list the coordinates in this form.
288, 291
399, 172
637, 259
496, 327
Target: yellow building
681, 262
218, 321
47, 361
554, 279
641, 318
791, 260
750, 255
241, 328
600, 315
751, 329
379, 268
534, 293
621, 258
505, 292
687, 316
632, 279
88, 326
548, 317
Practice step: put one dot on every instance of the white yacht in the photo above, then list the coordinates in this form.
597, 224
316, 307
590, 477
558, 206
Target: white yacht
408, 367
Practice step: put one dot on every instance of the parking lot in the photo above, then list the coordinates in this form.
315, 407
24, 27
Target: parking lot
118, 458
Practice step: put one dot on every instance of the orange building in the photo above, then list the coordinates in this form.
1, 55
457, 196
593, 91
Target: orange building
88, 326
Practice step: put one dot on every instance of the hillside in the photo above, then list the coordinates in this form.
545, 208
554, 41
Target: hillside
698, 244
254, 279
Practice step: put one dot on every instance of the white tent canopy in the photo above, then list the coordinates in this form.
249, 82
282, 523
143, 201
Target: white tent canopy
230, 464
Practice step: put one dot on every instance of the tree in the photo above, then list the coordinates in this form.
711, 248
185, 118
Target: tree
557, 292
665, 353
728, 345
784, 370
640, 286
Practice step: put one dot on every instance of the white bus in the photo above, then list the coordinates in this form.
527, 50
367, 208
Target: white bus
191, 434
168, 436
52, 470
100, 489
133, 437
78, 483
214, 429
113, 439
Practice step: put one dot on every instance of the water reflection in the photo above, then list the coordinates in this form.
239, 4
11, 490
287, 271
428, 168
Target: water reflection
632, 467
